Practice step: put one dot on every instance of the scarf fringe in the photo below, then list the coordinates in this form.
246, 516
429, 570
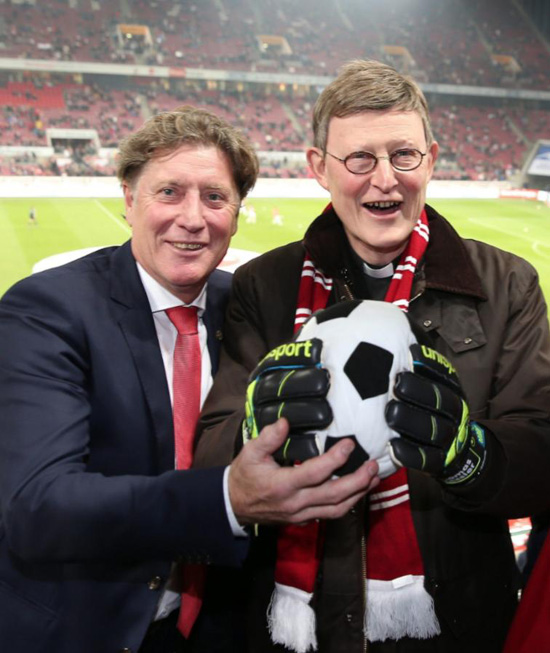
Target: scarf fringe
399, 608
291, 620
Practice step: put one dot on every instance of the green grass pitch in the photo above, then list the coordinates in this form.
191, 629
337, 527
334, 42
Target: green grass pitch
519, 226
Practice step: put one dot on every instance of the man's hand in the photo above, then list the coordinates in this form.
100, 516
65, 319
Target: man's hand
432, 417
290, 382
262, 492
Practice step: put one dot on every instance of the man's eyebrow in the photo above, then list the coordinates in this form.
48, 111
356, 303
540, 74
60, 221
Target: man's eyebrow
404, 143
160, 183
213, 185
217, 186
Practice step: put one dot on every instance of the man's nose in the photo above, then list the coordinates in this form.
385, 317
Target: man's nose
383, 176
190, 213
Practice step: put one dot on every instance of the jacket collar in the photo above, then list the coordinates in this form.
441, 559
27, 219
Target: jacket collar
446, 266
126, 286
132, 312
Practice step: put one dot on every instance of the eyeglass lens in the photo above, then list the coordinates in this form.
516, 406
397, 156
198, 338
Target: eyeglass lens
361, 162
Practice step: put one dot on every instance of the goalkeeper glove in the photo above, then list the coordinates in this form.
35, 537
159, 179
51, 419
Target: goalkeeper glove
290, 382
431, 415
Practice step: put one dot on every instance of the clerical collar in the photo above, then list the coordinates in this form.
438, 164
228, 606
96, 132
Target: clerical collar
379, 273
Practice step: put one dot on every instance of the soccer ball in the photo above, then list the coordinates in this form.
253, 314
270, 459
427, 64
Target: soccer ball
365, 344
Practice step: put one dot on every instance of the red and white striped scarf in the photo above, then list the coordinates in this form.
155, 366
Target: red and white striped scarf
397, 605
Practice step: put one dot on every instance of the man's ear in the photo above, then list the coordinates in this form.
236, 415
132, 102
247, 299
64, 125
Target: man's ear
128, 201
432, 154
317, 164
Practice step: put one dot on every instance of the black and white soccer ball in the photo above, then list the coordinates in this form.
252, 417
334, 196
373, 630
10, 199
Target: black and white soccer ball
365, 345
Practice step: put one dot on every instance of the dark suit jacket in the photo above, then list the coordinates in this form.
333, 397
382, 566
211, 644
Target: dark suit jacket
92, 512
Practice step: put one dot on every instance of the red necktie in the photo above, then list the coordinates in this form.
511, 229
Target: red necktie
186, 389
186, 382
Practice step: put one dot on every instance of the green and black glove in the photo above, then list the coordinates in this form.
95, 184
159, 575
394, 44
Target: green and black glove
290, 382
431, 415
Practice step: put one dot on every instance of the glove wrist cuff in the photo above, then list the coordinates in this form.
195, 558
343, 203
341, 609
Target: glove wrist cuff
474, 461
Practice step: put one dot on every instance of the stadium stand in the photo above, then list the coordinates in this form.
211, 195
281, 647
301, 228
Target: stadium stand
212, 53
476, 143
445, 40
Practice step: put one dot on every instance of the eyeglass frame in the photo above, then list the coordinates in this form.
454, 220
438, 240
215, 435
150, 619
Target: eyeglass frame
376, 158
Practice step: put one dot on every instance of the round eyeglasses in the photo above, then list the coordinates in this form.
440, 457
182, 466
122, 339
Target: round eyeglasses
359, 163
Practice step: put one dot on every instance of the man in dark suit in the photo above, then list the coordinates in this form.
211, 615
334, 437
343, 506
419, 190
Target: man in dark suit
94, 517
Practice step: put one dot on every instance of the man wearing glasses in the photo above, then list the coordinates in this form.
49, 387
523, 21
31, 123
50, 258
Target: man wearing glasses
480, 308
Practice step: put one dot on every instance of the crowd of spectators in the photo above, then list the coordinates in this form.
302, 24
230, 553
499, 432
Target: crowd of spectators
435, 40
478, 143
483, 142
23, 122
57, 30
441, 41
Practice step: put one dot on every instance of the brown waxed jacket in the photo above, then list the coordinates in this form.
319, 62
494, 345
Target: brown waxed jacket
483, 309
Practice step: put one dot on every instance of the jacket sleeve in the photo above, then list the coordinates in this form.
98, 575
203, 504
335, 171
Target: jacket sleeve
58, 503
259, 317
219, 429
517, 403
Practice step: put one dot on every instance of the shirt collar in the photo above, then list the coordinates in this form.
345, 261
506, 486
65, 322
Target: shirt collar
378, 273
161, 299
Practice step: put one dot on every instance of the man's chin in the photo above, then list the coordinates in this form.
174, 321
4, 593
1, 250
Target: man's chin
382, 248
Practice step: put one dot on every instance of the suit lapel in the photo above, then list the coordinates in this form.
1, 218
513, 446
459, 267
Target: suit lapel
219, 284
133, 313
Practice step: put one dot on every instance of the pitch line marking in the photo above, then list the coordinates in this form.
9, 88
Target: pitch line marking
113, 217
537, 248
502, 231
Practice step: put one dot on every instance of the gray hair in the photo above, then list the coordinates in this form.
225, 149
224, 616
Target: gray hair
367, 85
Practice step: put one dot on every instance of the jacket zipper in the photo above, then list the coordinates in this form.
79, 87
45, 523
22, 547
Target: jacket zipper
347, 283
349, 295
364, 578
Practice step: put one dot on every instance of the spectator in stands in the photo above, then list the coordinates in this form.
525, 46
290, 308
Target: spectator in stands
93, 513
450, 579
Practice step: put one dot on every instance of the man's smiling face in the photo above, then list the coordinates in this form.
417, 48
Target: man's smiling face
183, 211
378, 209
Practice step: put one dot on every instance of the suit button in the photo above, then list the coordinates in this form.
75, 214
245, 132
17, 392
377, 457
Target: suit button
153, 584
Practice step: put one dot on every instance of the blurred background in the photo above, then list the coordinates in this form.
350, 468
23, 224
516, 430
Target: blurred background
77, 75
